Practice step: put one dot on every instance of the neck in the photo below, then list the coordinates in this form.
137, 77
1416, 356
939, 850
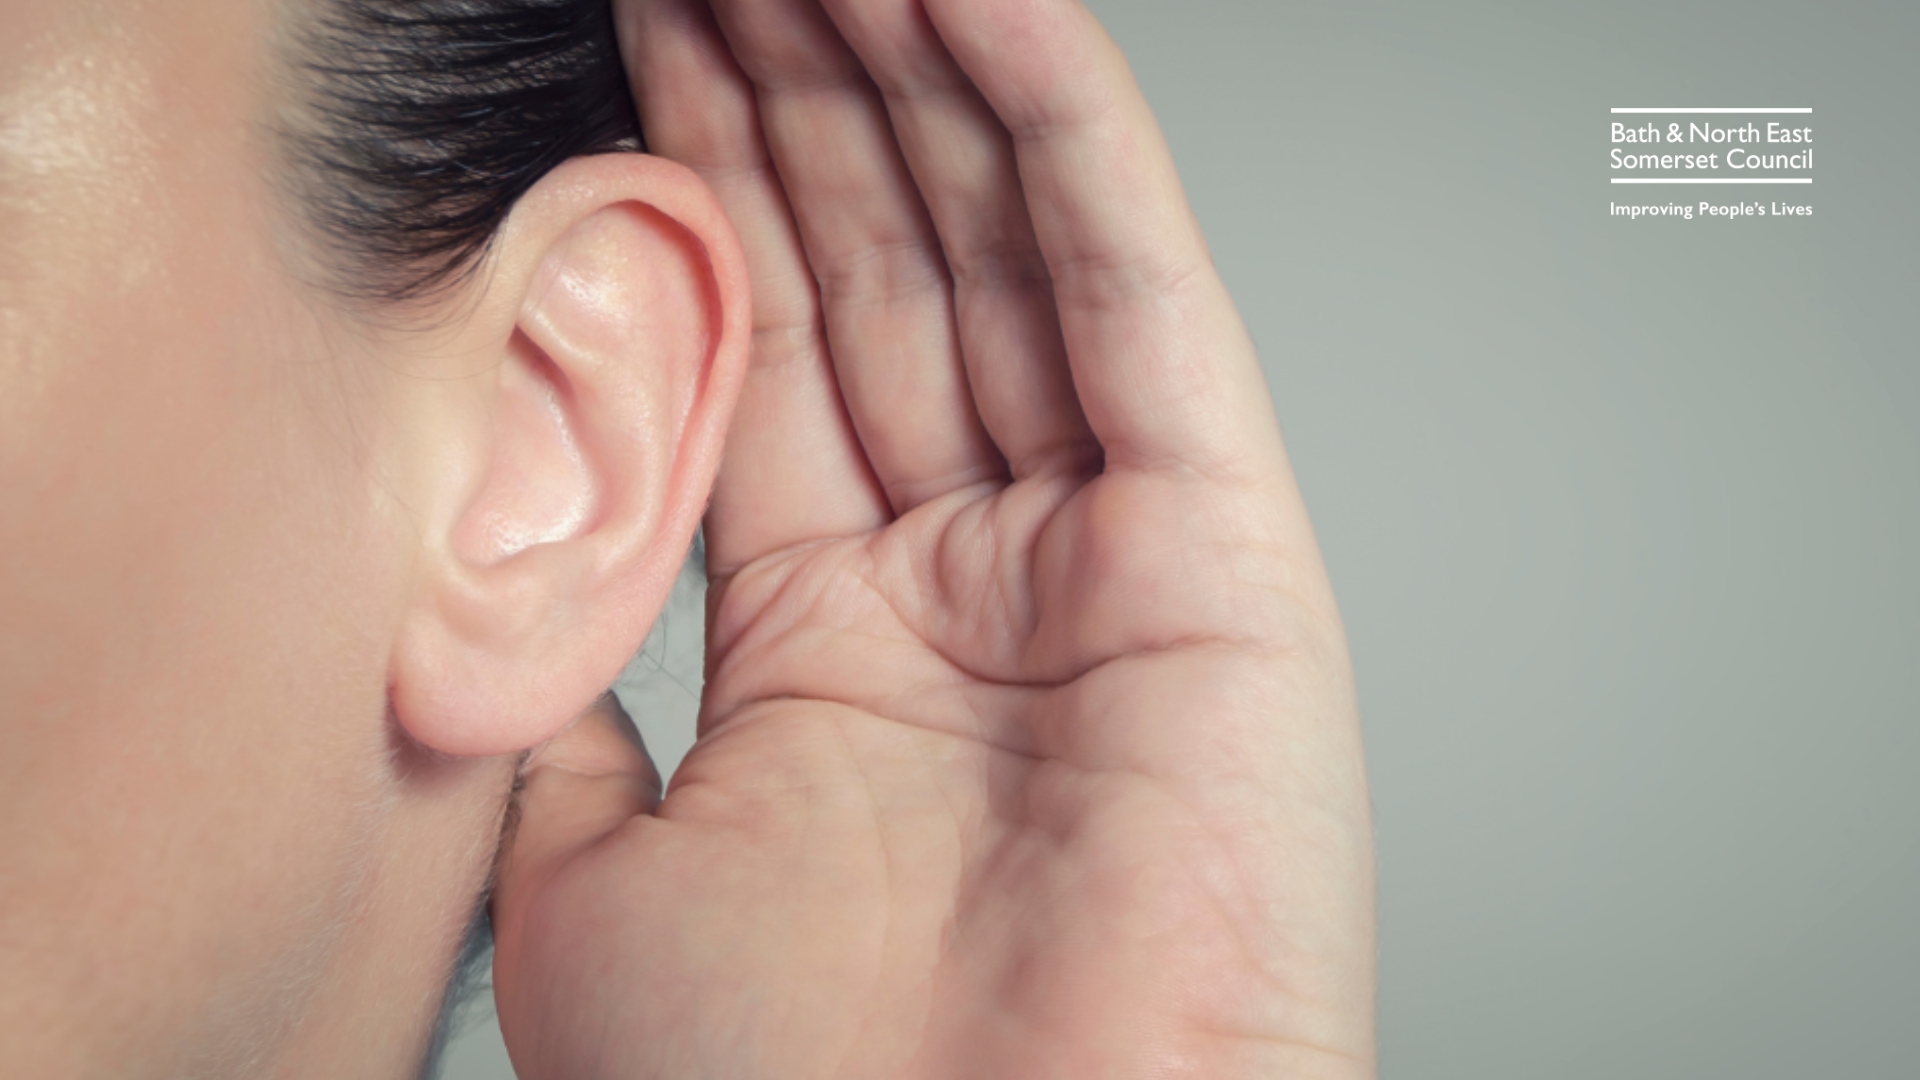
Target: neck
377, 1012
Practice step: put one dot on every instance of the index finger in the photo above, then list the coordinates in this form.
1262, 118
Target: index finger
1163, 366
794, 470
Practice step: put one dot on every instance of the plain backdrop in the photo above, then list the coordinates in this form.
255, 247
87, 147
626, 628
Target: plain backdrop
1624, 516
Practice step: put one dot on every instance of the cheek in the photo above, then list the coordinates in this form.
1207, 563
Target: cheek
196, 595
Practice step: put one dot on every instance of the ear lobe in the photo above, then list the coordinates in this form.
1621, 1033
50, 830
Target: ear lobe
619, 321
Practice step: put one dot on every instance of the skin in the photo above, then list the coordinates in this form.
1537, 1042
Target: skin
273, 631
1029, 745
183, 524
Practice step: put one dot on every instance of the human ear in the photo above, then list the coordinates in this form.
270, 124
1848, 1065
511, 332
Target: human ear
568, 432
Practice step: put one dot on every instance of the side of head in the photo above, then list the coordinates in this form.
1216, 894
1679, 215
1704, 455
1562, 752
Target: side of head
350, 440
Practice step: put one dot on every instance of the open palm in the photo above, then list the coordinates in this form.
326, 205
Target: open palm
1028, 745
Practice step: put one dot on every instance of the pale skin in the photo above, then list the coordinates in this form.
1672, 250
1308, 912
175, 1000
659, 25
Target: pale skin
1028, 745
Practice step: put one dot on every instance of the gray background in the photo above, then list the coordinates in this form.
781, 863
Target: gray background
1624, 516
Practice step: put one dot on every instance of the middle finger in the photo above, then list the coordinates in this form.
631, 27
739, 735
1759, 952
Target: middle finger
886, 293
963, 159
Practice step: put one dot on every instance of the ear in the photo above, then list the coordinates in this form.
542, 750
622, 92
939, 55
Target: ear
565, 445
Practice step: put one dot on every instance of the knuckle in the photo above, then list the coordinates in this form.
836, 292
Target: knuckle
883, 271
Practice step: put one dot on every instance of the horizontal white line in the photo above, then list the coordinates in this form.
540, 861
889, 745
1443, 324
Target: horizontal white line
1703, 180
1714, 110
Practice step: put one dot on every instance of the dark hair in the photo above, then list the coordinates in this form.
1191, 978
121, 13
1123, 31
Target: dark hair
418, 123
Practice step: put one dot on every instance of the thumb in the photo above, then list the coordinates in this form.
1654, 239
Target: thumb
574, 791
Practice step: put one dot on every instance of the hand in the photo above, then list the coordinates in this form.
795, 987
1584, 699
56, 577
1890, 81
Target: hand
1028, 745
